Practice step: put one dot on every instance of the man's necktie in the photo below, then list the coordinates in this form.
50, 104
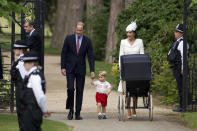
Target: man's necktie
77, 45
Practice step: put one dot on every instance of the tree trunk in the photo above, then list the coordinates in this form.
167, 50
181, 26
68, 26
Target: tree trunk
93, 7
74, 15
115, 9
58, 34
69, 12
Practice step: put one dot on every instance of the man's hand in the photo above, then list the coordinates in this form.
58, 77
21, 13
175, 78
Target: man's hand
92, 75
63, 71
47, 114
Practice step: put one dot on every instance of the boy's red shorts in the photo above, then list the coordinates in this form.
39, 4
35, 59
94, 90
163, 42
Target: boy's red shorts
101, 98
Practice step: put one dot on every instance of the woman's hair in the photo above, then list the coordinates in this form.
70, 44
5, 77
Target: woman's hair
135, 34
103, 73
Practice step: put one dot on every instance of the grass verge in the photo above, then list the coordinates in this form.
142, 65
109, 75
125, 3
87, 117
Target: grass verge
190, 119
100, 66
10, 123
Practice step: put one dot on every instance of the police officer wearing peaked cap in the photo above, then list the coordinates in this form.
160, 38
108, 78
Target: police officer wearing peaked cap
33, 97
18, 73
177, 64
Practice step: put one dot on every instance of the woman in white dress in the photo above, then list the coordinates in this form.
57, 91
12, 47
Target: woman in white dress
131, 45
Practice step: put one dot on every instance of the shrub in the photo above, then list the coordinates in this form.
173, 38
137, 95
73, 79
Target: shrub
156, 20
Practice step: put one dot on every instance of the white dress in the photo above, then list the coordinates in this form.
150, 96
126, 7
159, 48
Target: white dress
126, 48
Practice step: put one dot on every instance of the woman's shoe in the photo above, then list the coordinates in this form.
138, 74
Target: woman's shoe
129, 117
134, 115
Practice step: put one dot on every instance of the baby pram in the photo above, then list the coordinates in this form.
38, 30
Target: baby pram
135, 71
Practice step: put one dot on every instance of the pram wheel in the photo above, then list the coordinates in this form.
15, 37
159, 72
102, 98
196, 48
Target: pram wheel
119, 115
121, 107
150, 107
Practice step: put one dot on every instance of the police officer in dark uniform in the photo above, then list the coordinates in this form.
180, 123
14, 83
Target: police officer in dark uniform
18, 74
177, 63
33, 96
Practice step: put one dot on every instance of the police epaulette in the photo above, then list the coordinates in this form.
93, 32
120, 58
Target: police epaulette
35, 72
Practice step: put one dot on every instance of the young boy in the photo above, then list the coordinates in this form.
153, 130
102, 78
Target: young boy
103, 89
18, 74
33, 96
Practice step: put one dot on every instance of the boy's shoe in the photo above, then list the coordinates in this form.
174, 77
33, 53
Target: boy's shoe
104, 117
100, 117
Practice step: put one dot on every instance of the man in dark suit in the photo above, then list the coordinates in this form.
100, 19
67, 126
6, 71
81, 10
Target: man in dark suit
73, 66
34, 40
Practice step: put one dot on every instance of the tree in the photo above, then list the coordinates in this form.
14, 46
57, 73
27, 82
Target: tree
7, 6
51, 7
58, 34
115, 10
93, 7
68, 13
128, 3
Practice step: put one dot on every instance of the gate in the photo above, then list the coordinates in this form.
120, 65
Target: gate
35, 11
190, 63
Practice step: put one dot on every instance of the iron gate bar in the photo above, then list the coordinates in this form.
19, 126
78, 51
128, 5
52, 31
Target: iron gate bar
12, 60
185, 68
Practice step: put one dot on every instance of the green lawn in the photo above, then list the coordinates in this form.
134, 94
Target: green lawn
190, 118
100, 66
10, 123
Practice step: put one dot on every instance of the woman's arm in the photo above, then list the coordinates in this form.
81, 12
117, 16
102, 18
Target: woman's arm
141, 47
121, 52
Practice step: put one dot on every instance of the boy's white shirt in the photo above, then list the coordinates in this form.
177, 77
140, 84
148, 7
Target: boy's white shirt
102, 87
35, 83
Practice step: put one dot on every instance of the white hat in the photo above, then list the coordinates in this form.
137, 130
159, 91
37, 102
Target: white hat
132, 26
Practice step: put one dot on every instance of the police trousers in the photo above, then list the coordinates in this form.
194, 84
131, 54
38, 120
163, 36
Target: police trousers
179, 78
19, 107
32, 118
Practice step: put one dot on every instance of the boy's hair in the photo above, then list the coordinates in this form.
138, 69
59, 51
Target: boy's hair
103, 73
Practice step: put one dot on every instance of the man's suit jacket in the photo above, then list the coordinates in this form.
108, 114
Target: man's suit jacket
73, 62
35, 43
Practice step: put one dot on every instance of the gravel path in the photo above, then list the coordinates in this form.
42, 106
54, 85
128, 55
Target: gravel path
56, 100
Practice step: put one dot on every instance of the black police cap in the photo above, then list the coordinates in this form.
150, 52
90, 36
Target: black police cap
20, 44
179, 28
30, 56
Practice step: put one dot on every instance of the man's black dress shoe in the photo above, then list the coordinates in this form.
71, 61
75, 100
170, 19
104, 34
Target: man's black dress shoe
78, 118
70, 115
178, 109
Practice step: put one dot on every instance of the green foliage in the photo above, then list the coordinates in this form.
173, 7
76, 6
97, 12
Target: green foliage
100, 66
194, 2
6, 7
99, 23
156, 20
164, 84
